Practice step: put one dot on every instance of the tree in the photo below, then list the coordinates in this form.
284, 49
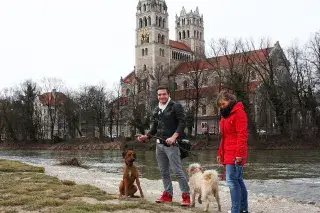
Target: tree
230, 63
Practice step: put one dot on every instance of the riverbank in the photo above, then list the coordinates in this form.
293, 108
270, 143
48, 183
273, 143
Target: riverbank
265, 144
33, 190
108, 183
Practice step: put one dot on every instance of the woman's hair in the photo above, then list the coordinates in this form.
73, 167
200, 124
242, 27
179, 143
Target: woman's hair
224, 95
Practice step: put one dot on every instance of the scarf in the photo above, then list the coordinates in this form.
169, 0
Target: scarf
225, 112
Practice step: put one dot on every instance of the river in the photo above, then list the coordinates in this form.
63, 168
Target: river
288, 173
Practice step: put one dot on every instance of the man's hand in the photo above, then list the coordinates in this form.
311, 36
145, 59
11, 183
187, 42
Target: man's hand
218, 159
171, 140
142, 138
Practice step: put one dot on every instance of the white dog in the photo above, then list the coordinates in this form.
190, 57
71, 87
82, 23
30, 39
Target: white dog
203, 183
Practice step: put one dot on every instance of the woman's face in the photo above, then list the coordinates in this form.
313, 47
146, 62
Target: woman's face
223, 103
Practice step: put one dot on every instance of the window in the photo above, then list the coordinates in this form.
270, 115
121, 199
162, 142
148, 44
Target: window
128, 92
205, 80
179, 35
204, 125
149, 21
142, 52
253, 76
204, 110
146, 51
185, 84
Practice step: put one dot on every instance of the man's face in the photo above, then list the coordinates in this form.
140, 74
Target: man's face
163, 96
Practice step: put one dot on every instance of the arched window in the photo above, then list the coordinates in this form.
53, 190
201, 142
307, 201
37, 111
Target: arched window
144, 8
195, 34
156, 20
162, 39
160, 21
164, 23
159, 38
140, 23
185, 84
183, 34
200, 36
145, 21
128, 92
149, 21
204, 110
146, 51
179, 35
142, 52
188, 34
160, 52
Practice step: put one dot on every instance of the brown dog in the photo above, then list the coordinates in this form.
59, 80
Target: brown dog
130, 175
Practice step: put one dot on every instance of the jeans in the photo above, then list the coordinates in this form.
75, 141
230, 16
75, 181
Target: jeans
166, 157
238, 190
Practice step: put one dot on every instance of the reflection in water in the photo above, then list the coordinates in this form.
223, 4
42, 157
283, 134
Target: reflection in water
298, 169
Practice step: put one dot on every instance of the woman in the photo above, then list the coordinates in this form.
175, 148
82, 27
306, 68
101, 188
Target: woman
233, 148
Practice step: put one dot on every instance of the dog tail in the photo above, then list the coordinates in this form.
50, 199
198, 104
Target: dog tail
210, 176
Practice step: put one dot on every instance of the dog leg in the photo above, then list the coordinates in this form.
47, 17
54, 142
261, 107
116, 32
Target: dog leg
121, 189
205, 199
199, 198
193, 198
216, 195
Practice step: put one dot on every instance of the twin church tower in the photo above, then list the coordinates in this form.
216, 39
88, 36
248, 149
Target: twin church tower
154, 48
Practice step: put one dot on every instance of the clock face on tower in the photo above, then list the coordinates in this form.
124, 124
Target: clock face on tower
144, 35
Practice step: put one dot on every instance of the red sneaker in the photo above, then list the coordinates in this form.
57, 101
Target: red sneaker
165, 197
185, 199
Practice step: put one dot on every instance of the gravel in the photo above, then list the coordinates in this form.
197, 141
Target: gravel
258, 203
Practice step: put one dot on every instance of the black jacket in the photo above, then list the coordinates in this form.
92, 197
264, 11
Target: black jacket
171, 120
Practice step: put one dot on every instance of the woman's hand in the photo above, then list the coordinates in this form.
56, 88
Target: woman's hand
218, 159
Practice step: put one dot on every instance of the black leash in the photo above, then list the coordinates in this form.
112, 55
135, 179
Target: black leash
174, 144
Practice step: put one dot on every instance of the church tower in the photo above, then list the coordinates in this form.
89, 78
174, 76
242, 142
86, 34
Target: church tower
189, 30
152, 37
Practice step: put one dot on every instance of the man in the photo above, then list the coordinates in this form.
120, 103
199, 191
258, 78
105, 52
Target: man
168, 123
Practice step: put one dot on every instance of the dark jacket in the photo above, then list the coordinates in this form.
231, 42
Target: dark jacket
234, 131
171, 120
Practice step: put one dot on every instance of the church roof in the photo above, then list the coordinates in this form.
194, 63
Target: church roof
129, 77
220, 61
179, 45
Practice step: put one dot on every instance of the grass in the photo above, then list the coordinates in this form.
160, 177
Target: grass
26, 187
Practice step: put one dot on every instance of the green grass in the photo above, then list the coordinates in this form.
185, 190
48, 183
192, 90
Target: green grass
26, 187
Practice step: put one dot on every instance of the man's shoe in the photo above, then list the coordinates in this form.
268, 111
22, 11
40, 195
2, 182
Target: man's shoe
185, 199
165, 197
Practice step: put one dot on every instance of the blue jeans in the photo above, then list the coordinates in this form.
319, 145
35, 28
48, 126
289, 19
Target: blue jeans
238, 190
170, 156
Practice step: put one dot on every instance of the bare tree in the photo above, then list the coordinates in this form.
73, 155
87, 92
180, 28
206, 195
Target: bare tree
230, 63
269, 63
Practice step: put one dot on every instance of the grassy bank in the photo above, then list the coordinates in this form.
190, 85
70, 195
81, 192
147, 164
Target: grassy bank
26, 188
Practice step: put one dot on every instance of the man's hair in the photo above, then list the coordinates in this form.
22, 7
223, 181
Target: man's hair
163, 87
225, 95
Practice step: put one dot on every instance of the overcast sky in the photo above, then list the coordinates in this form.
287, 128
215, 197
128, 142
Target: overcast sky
92, 41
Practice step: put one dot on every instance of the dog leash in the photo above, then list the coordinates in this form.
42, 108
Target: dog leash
174, 144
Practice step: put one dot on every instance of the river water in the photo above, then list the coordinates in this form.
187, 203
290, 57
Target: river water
288, 173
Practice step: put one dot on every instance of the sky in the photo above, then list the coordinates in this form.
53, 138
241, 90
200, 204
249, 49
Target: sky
88, 42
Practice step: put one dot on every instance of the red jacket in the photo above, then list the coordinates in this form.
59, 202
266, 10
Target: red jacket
234, 131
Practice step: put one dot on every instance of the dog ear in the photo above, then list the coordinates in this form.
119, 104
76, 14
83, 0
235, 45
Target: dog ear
124, 153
